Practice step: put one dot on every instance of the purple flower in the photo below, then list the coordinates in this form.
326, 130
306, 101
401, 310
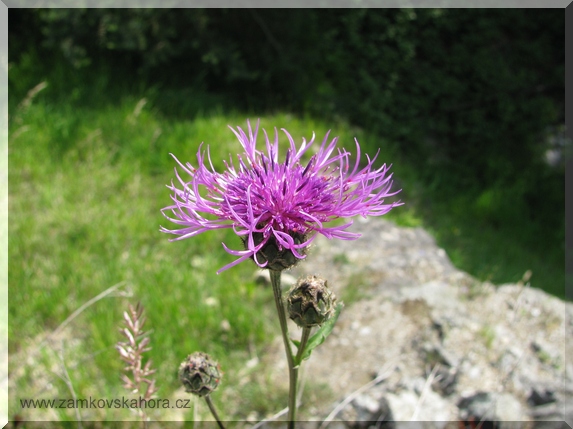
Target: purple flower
277, 207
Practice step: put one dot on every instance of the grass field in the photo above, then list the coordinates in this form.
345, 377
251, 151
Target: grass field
87, 182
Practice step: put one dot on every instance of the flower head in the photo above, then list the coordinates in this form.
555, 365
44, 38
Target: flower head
277, 207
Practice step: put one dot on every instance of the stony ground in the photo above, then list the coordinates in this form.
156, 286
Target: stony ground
444, 346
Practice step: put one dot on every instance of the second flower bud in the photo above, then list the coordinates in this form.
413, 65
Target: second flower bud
310, 302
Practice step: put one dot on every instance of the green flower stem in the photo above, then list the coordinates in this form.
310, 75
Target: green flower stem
292, 369
303, 340
213, 411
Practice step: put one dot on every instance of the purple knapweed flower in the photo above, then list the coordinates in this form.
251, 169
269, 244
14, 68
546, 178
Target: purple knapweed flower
277, 207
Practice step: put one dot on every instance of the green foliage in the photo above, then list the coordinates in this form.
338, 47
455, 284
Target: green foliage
466, 95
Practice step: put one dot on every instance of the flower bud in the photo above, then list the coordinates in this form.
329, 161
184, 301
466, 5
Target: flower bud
277, 257
200, 374
310, 302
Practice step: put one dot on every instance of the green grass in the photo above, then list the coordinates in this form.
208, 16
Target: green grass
86, 187
87, 182
500, 253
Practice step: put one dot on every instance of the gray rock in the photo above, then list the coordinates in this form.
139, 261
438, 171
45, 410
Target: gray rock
440, 335
492, 408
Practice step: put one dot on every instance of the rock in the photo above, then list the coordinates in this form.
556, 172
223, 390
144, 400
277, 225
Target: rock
365, 411
429, 407
559, 409
541, 397
492, 408
441, 336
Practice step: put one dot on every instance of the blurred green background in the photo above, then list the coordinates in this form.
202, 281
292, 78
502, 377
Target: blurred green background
468, 105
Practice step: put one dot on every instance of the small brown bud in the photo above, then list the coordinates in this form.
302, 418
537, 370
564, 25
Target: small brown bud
200, 374
310, 302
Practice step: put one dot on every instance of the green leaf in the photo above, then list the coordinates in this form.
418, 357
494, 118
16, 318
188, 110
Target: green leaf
319, 336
